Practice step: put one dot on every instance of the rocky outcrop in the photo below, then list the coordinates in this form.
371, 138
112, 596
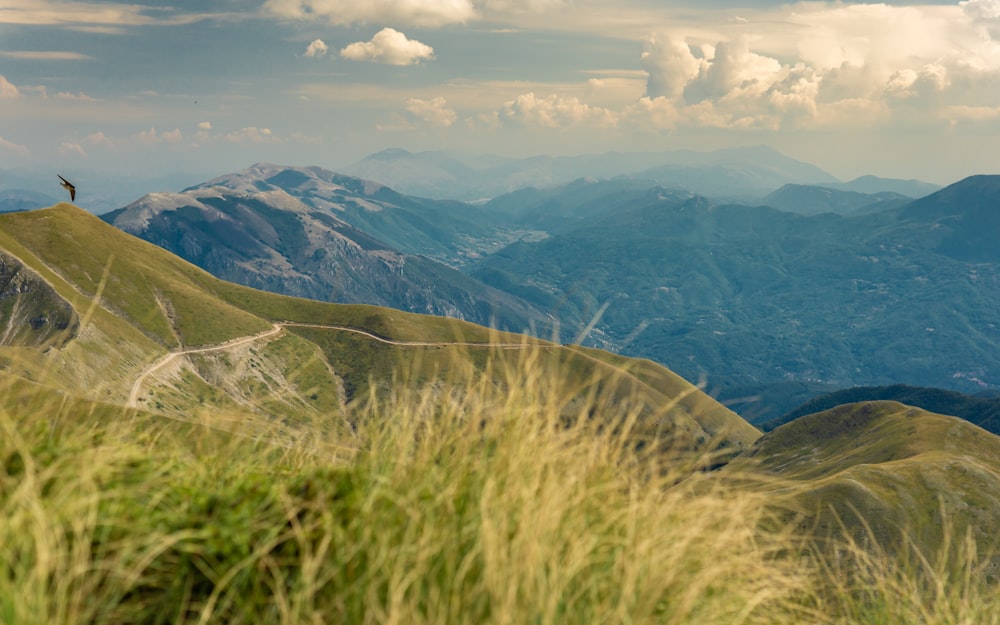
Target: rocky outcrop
32, 314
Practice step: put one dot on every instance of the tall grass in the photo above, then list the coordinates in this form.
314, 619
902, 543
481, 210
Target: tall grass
499, 497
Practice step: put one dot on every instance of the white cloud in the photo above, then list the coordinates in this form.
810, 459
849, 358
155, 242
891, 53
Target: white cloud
7, 89
388, 46
152, 137
671, 65
824, 64
10, 146
316, 48
99, 138
252, 134
204, 125
733, 70
91, 15
434, 112
46, 55
409, 12
556, 111
80, 96
68, 148
985, 14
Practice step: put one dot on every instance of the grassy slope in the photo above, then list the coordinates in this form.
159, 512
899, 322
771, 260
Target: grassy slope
151, 301
895, 468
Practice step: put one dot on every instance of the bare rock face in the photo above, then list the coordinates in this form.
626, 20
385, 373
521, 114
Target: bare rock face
32, 314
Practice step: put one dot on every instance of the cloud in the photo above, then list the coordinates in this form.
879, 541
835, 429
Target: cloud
7, 89
65, 95
91, 15
825, 64
343, 12
388, 46
556, 111
252, 134
671, 65
204, 125
316, 48
733, 70
46, 55
99, 138
152, 137
10, 146
68, 148
985, 14
434, 112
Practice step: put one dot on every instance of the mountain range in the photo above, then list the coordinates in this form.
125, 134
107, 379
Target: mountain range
750, 296
744, 174
309, 232
823, 294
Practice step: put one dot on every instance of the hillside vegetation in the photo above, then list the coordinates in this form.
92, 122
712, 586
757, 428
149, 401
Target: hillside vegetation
484, 506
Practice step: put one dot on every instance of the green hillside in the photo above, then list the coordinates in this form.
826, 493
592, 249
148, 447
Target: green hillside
157, 332
887, 473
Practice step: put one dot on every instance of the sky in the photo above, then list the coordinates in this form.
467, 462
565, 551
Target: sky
899, 89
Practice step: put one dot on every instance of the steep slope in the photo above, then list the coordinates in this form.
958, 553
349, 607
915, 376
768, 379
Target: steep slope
156, 332
247, 228
960, 221
876, 469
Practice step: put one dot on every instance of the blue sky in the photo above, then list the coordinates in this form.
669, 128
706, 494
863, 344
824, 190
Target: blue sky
898, 89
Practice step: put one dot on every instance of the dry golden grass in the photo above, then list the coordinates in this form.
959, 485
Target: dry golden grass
481, 502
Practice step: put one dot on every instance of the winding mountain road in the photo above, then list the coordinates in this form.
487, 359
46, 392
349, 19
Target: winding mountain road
163, 361
278, 327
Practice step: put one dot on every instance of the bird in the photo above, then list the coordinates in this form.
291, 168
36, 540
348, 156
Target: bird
69, 187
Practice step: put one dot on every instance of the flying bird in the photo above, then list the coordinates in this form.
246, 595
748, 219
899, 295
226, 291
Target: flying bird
69, 187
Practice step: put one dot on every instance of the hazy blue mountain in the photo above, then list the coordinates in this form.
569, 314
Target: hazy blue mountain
564, 208
961, 221
96, 192
874, 184
738, 172
752, 296
13, 200
812, 200
247, 229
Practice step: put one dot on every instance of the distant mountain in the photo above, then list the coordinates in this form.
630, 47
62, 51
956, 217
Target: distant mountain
97, 192
981, 411
13, 200
247, 228
963, 219
749, 297
738, 172
873, 185
813, 200
567, 207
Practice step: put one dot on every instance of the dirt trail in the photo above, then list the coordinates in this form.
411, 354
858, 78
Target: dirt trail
278, 327
156, 365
